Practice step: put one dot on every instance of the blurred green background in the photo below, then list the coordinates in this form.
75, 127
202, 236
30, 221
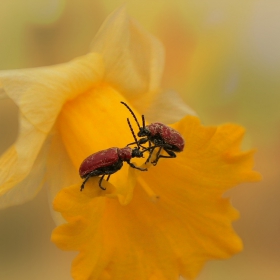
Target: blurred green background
222, 56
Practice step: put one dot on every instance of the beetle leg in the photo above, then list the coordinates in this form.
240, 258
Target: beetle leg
137, 144
143, 140
171, 155
157, 156
100, 181
108, 177
151, 149
133, 143
136, 167
147, 149
83, 184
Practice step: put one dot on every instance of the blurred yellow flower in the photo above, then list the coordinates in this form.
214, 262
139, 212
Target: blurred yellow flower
147, 225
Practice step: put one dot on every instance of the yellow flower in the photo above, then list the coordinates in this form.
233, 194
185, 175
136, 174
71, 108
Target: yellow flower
146, 225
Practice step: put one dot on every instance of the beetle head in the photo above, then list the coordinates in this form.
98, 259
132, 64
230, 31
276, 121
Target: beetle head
144, 131
136, 153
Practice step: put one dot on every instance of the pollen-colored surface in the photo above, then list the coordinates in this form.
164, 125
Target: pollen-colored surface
174, 220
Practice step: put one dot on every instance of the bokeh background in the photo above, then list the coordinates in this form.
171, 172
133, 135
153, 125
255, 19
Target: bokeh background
222, 56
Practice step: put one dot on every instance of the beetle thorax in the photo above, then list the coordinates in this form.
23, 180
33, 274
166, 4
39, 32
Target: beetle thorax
125, 153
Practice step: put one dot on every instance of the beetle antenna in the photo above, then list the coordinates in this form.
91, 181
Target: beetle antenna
132, 131
143, 121
131, 113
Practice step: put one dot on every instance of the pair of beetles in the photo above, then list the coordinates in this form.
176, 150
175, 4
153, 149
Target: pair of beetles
107, 162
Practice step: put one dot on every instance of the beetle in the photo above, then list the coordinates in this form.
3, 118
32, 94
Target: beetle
107, 162
160, 135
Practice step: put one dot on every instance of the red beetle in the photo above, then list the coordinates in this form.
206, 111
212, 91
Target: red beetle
161, 136
107, 162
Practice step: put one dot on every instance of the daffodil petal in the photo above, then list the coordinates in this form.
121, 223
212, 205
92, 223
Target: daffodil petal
221, 152
18, 161
190, 190
80, 209
125, 188
60, 171
39, 94
168, 107
27, 188
133, 58
188, 224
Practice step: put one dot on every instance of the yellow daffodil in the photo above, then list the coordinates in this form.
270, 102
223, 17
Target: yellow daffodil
157, 224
